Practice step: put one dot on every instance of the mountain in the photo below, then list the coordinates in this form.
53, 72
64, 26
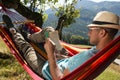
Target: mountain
96, 7
87, 12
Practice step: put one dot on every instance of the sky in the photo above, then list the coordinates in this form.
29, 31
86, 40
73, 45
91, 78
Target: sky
103, 0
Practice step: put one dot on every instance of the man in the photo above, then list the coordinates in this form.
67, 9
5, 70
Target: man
102, 31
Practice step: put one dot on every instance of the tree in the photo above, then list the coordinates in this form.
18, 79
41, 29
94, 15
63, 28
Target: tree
29, 12
67, 15
78, 40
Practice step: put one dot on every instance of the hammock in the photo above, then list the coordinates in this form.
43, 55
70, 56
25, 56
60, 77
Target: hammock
88, 71
95, 65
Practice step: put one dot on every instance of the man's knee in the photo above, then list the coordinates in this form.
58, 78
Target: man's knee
49, 29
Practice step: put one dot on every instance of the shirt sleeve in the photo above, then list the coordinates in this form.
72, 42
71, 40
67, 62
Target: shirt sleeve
80, 58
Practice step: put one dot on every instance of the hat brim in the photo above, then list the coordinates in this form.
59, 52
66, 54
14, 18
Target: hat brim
105, 26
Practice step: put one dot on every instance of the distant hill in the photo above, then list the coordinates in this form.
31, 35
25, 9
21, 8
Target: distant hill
87, 12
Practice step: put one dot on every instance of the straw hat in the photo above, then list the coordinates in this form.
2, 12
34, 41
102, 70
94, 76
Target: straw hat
106, 19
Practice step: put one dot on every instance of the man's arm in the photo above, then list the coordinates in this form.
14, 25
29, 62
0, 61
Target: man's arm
54, 69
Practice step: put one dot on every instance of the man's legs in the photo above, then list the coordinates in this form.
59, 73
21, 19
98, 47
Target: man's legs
39, 37
29, 53
34, 60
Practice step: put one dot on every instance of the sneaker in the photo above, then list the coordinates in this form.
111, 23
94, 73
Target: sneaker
64, 52
8, 21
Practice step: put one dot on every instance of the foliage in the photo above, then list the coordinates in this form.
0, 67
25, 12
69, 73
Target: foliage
69, 12
75, 39
39, 6
78, 40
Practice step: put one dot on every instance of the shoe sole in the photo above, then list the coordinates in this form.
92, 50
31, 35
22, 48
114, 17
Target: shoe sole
8, 21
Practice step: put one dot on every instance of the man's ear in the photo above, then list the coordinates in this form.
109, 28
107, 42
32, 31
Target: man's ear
102, 33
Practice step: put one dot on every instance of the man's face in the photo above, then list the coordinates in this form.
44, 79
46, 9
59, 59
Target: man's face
94, 35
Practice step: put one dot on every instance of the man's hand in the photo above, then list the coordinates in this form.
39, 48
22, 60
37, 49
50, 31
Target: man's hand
54, 69
49, 46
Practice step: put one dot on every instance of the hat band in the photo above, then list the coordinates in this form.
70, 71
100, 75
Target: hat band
102, 23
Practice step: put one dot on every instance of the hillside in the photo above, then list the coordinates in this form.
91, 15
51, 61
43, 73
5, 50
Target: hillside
87, 12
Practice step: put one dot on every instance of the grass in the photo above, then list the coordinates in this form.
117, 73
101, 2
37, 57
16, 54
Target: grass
111, 73
10, 69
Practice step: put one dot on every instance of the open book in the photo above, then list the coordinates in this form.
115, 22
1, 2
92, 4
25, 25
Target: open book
55, 38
